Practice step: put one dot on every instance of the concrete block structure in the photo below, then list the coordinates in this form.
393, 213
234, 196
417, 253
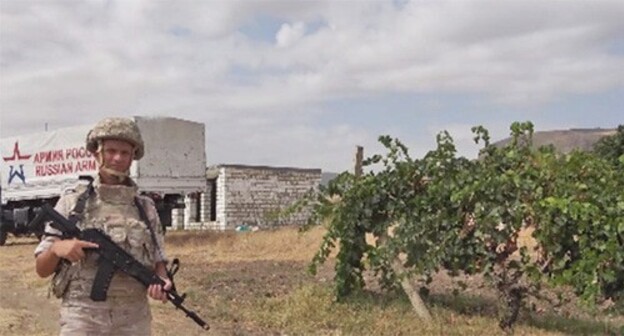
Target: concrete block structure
246, 195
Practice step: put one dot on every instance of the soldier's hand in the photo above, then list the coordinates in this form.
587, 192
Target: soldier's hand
157, 292
71, 249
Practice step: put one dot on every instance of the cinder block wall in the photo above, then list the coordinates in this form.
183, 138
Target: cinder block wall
251, 194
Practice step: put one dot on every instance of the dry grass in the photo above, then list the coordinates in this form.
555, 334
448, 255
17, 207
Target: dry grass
256, 284
19, 322
246, 268
286, 244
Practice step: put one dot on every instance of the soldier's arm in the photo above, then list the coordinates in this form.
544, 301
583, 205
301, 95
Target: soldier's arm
51, 249
156, 292
159, 256
46, 262
71, 249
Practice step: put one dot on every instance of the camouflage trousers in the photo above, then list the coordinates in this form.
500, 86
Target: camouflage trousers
130, 319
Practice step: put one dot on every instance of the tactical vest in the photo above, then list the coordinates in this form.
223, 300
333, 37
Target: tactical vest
115, 210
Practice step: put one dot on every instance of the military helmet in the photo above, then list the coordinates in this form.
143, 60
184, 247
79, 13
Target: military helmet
116, 129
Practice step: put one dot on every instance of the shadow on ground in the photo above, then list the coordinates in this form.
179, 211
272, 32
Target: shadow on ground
548, 321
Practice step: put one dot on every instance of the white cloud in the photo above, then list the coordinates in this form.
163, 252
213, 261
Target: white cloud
290, 141
71, 63
289, 34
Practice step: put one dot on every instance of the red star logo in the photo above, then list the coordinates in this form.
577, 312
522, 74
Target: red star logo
16, 154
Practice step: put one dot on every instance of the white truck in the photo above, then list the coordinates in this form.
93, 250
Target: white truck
37, 168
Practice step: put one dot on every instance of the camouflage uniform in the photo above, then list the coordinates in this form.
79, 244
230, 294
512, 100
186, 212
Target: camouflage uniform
112, 209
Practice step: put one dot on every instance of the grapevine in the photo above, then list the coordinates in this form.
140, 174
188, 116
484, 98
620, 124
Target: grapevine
446, 212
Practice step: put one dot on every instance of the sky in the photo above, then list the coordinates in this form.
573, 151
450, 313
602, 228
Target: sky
302, 83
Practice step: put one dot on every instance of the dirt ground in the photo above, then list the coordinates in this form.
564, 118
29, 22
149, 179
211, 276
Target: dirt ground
24, 306
224, 277
26, 309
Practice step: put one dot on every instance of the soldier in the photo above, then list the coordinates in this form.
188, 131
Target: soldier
112, 204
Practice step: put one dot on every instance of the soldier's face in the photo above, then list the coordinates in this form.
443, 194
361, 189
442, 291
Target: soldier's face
117, 155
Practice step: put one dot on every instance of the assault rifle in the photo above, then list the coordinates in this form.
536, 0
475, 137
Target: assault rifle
112, 258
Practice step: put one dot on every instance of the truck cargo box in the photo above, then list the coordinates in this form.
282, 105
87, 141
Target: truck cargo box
41, 165
38, 167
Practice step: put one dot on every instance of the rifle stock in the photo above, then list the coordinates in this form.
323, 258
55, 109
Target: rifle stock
112, 258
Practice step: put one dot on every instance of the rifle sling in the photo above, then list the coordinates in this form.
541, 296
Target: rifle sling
176, 263
81, 203
144, 218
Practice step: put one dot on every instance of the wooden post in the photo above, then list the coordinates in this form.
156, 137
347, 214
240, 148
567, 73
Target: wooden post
409, 285
357, 242
359, 157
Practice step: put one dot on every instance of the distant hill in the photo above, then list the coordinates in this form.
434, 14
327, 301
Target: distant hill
567, 140
564, 141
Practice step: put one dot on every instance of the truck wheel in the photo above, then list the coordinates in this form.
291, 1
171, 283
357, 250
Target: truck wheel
3, 236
